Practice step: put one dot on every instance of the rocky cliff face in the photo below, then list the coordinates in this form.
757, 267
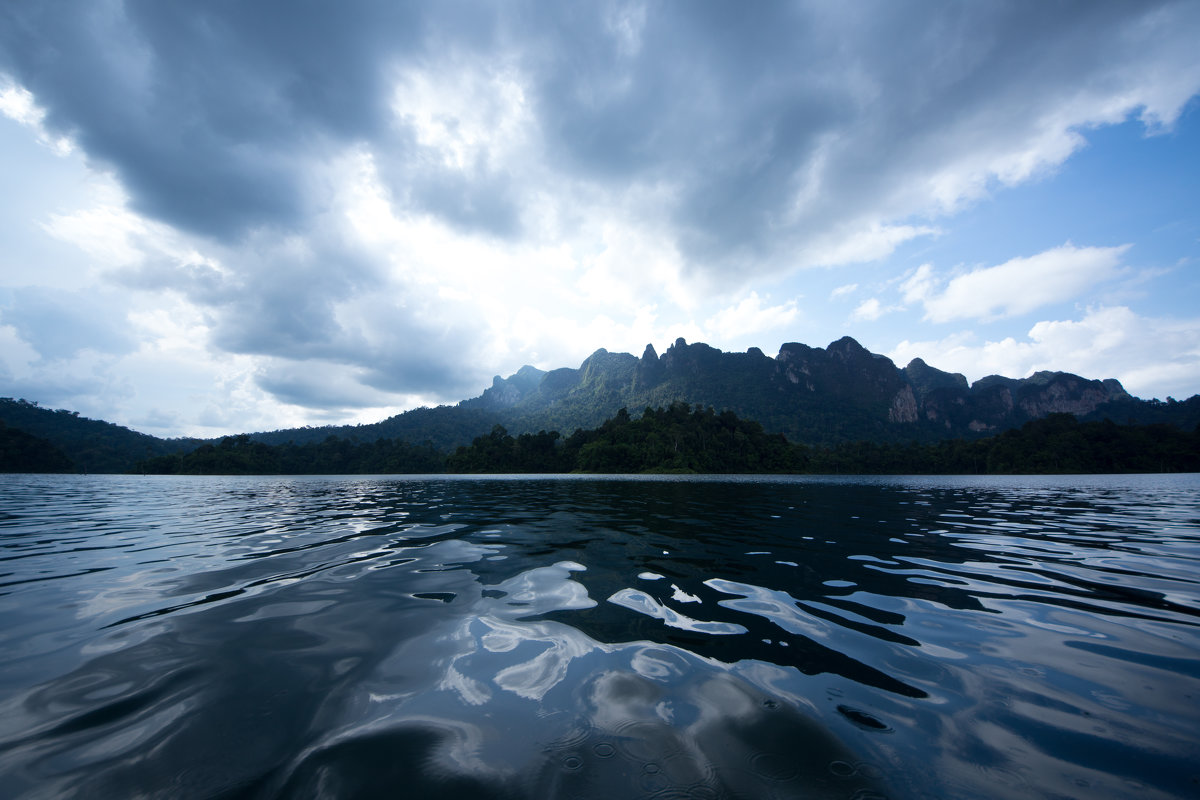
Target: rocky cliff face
507, 392
996, 402
1060, 392
904, 406
845, 367
925, 379
811, 394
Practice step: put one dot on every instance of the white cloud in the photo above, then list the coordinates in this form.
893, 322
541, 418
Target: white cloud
871, 242
750, 316
465, 114
870, 309
551, 298
1015, 287
918, 285
108, 232
17, 103
843, 290
1152, 357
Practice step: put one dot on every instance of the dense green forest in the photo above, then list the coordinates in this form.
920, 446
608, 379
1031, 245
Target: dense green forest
678, 438
1056, 444
23, 452
91, 445
240, 455
445, 427
681, 439
675, 439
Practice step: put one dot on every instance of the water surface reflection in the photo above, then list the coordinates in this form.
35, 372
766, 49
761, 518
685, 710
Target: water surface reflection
359, 637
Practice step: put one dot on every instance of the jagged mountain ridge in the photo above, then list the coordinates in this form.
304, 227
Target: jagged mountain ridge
816, 396
813, 395
810, 394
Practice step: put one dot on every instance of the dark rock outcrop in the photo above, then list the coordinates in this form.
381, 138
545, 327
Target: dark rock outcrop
811, 394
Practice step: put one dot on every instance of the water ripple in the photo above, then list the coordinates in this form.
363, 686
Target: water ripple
765, 637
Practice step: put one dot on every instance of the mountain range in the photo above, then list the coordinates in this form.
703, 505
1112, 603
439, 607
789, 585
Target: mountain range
817, 396
812, 395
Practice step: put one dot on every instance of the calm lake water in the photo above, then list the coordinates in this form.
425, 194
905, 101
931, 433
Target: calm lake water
572, 636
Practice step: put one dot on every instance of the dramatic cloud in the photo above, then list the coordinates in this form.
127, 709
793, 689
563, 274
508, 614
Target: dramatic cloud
363, 206
17, 103
762, 135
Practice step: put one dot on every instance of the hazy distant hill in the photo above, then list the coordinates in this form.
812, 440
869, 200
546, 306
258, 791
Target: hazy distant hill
813, 395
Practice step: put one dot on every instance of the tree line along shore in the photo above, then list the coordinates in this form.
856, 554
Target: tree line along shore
677, 439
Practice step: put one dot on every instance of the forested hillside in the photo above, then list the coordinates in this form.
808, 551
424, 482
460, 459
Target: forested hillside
239, 455
687, 439
1057, 444
674, 439
680, 439
92, 445
24, 452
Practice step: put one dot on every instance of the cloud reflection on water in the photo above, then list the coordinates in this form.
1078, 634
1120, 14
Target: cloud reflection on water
355, 636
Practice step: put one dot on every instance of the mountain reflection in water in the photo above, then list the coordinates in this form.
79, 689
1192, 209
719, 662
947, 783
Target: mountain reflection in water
585, 637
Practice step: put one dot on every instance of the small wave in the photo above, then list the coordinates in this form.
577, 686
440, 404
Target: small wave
639, 601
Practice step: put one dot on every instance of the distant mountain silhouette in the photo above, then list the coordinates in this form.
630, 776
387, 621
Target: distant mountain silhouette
814, 396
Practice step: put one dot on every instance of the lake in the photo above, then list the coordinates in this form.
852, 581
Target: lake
579, 636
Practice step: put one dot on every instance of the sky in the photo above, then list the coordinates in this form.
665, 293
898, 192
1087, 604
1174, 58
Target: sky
235, 216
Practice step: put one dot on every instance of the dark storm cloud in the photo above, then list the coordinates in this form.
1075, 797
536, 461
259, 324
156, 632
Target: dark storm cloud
59, 324
269, 301
312, 385
341, 368
423, 355
722, 101
211, 113
477, 201
285, 301
626, 96
362, 380
736, 105
207, 111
